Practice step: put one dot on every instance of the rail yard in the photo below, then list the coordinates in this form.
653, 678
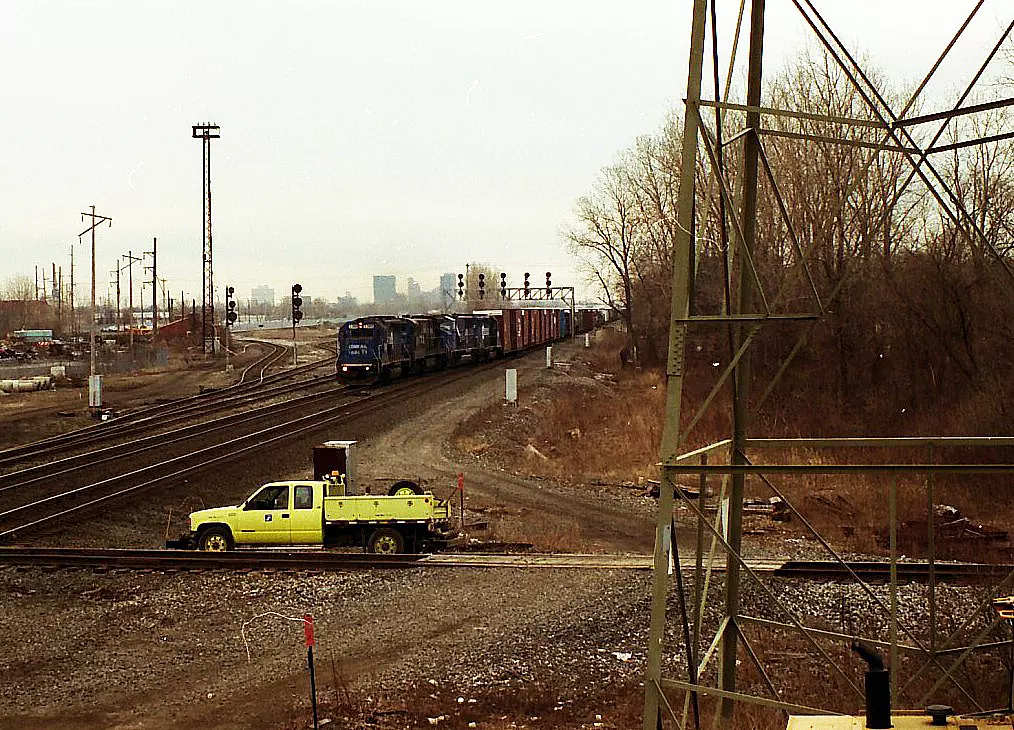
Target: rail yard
121, 483
549, 630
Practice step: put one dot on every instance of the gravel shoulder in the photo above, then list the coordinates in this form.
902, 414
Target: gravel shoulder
422, 647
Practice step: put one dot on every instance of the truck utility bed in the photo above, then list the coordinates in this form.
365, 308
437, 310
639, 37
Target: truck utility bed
402, 508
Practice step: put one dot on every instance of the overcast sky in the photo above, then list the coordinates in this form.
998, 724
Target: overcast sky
405, 138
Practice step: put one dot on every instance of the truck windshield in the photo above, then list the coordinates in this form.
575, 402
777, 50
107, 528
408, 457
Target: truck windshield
273, 496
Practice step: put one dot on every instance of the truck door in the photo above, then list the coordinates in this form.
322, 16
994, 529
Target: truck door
306, 523
266, 517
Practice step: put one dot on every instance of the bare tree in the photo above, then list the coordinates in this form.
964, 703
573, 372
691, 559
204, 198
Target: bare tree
604, 240
19, 288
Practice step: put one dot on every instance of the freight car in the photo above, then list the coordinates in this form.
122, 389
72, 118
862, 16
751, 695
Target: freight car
585, 320
384, 347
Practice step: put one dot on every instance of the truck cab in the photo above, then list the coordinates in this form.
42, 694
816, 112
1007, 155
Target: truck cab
279, 513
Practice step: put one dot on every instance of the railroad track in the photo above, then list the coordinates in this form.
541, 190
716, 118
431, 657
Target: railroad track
168, 430
57, 492
326, 561
163, 415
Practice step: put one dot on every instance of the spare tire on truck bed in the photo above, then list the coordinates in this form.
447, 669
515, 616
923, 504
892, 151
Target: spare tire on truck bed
404, 487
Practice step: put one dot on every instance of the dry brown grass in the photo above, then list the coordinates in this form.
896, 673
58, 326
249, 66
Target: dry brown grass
603, 427
544, 532
604, 424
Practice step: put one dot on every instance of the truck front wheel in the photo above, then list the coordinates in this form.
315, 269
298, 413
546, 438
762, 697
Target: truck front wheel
386, 541
215, 539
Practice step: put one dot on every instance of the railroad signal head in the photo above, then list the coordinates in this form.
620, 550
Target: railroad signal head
230, 306
503, 285
527, 285
461, 286
482, 285
297, 303
549, 284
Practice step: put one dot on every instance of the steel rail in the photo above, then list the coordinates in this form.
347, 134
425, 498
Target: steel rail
157, 438
157, 441
164, 416
18, 452
323, 559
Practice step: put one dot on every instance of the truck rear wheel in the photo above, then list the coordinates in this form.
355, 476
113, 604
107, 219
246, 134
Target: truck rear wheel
215, 539
404, 487
386, 541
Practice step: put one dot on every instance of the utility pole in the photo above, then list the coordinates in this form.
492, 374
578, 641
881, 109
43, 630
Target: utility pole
207, 132
73, 313
154, 286
130, 297
94, 381
117, 272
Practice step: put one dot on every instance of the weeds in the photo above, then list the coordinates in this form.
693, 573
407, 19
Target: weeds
543, 532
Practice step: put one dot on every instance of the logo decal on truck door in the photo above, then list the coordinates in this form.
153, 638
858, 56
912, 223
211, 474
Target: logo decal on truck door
267, 517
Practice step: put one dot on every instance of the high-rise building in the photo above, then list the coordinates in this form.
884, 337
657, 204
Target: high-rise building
448, 289
262, 295
384, 291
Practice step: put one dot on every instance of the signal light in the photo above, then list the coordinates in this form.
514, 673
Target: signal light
549, 285
482, 285
527, 294
230, 306
297, 303
503, 285
461, 286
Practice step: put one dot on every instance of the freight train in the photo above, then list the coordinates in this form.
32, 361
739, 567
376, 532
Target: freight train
383, 347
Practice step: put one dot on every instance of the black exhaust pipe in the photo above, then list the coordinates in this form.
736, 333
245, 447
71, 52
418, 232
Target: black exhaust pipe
878, 687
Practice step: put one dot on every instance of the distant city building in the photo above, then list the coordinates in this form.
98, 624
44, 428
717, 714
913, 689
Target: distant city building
448, 289
262, 295
346, 303
413, 289
384, 291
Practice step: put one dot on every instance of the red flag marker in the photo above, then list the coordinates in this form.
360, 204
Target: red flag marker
308, 629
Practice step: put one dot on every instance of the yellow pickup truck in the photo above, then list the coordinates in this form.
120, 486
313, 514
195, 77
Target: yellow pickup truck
319, 512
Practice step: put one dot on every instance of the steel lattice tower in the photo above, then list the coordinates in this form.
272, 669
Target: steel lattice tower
206, 133
727, 667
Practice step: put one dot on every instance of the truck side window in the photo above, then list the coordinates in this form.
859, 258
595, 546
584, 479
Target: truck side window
282, 498
303, 498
